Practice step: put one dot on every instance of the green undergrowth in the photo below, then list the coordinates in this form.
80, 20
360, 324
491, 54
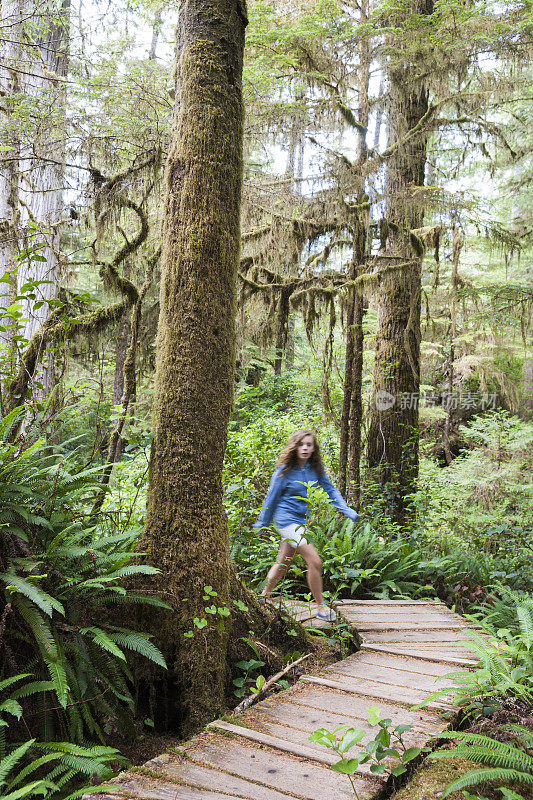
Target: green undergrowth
66, 684
430, 780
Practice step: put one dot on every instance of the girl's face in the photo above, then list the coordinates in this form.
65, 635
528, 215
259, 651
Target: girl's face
305, 448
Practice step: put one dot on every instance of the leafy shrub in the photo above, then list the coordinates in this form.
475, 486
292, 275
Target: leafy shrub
505, 668
42, 769
61, 578
481, 500
358, 562
385, 753
504, 609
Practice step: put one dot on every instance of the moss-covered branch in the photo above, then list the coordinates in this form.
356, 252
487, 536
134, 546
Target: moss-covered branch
60, 327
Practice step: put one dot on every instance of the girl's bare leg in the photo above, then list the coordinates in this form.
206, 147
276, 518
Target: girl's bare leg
314, 570
280, 567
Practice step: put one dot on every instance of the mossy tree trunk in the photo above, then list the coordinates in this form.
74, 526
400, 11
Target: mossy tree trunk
393, 432
448, 423
186, 533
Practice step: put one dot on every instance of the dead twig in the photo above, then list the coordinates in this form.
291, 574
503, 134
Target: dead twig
253, 698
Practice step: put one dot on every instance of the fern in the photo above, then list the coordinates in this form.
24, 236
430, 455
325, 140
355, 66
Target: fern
41, 599
60, 574
525, 618
487, 775
70, 761
505, 762
9, 762
132, 640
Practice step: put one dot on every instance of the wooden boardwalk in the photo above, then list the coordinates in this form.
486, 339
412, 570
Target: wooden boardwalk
265, 753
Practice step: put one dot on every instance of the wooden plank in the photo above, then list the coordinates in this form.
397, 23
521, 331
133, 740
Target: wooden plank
377, 691
414, 625
300, 611
452, 656
270, 768
316, 623
458, 647
298, 731
403, 663
149, 788
323, 706
404, 611
420, 637
294, 738
397, 619
402, 615
383, 674
395, 603
201, 777
302, 750
380, 610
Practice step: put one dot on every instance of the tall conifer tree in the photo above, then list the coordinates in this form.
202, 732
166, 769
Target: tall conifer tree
186, 532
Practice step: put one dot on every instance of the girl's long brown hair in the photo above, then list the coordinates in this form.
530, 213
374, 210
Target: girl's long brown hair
289, 456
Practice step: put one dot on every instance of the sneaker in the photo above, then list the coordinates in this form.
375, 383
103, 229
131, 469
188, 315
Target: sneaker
263, 599
324, 612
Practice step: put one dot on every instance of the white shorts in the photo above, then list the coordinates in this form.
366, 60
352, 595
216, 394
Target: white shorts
293, 534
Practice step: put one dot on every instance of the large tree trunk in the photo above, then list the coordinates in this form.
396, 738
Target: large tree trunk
393, 433
9, 170
352, 408
186, 532
41, 164
457, 246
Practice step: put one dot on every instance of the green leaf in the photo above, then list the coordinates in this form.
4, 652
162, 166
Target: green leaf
7, 763
10, 681
323, 736
383, 737
34, 593
401, 729
399, 770
139, 643
351, 737
374, 715
104, 641
35, 765
59, 679
347, 766
31, 789
11, 706
410, 753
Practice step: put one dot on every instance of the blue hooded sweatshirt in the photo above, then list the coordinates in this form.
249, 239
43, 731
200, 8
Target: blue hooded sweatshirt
285, 499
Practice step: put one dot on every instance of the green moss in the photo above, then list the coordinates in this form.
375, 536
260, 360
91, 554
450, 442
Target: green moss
429, 782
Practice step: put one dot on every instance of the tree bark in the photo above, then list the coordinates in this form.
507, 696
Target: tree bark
9, 170
393, 432
125, 327
457, 245
352, 408
186, 533
156, 30
41, 167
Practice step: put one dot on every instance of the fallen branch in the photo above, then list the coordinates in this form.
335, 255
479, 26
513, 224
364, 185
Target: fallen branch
253, 698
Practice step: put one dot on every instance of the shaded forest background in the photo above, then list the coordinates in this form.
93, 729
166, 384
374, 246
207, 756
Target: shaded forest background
383, 299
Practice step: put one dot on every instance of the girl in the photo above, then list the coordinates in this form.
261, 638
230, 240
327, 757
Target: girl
299, 463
